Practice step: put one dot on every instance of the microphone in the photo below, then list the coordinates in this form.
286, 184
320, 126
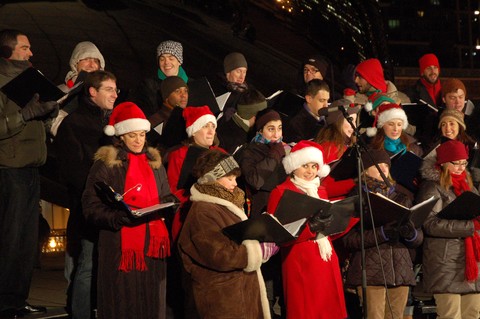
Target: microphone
137, 187
323, 112
338, 105
344, 112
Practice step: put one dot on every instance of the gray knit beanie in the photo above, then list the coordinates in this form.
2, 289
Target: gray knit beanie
171, 47
234, 61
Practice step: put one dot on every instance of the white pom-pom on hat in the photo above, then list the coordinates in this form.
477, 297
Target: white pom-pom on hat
368, 106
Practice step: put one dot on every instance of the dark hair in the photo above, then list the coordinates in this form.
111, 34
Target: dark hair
315, 85
251, 96
94, 79
334, 133
8, 41
208, 160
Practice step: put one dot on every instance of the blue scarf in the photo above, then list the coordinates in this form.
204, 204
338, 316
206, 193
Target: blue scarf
181, 74
259, 138
394, 146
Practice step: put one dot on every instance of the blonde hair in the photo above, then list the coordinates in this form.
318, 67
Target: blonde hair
446, 180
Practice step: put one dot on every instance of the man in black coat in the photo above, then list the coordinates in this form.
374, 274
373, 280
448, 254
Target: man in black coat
307, 122
79, 136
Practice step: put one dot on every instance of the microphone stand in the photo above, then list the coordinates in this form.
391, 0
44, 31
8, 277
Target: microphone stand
359, 146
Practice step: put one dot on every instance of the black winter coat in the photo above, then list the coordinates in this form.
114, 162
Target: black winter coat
134, 294
303, 126
262, 171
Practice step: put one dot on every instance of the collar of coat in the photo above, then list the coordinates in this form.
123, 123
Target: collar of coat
196, 196
115, 156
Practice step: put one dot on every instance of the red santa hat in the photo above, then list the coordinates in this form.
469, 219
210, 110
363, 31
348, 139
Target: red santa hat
427, 60
385, 113
306, 152
371, 70
126, 117
196, 117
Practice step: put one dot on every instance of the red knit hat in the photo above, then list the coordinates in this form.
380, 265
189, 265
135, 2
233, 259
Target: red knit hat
306, 152
385, 113
196, 117
427, 60
451, 150
371, 70
126, 117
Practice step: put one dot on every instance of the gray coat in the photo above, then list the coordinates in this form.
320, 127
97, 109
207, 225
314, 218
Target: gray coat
444, 244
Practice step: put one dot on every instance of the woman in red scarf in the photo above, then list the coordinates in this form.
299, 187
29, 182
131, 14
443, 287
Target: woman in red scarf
131, 251
451, 251
312, 282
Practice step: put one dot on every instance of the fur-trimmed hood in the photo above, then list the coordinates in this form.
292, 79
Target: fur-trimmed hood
429, 171
114, 156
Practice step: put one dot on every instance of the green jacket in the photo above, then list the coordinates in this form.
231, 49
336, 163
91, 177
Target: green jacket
22, 144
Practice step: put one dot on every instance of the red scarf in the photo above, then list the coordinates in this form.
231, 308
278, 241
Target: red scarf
472, 243
141, 191
433, 90
459, 183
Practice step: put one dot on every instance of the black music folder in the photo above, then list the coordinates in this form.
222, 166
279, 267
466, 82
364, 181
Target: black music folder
286, 103
264, 228
418, 112
345, 167
464, 207
294, 206
201, 93
22, 88
385, 211
294, 211
405, 169
115, 199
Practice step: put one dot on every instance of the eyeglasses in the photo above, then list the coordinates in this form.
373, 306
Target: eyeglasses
310, 70
109, 89
458, 164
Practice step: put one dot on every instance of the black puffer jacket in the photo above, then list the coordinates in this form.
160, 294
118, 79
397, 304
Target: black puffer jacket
395, 257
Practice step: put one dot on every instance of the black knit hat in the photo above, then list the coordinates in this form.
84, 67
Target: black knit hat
319, 62
170, 84
377, 156
265, 116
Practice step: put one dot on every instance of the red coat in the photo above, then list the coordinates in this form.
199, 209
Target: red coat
335, 189
313, 288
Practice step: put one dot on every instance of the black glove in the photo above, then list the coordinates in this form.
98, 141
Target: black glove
35, 108
391, 232
171, 198
277, 150
318, 224
407, 230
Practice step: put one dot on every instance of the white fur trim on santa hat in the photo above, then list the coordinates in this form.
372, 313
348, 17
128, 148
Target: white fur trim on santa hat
200, 122
303, 156
127, 126
391, 114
